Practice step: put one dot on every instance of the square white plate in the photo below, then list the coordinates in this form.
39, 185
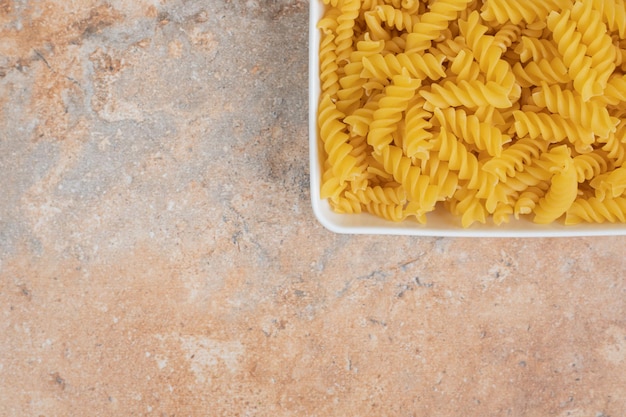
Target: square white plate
440, 223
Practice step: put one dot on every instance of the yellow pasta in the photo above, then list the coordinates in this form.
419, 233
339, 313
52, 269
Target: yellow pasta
492, 109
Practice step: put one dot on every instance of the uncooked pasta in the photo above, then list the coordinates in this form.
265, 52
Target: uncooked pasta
492, 110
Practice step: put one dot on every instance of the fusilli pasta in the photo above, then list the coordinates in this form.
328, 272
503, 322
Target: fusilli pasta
490, 109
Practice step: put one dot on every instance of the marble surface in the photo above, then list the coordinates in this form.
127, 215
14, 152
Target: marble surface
159, 256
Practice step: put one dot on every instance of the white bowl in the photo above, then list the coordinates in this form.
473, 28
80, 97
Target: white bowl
439, 223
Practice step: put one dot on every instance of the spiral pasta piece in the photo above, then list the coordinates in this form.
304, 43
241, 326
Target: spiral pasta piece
615, 147
366, 47
390, 195
544, 71
536, 49
469, 207
352, 85
475, 34
418, 135
331, 188
329, 78
459, 159
345, 29
589, 114
610, 184
392, 16
332, 134
590, 165
613, 14
596, 38
560, 196
574, 52
391, 107
517, 11
350, 89
552, 128
534, 177
594, 210
485, 136
360, 120
393, 212
441, 176
359, 147
449, 48
345, 205
515, 158
527, 201
395, 45
471, 94
506, 36
502, 213
483, 47
384, 67
375, 27
616, 89
417, 186
514, 11
411, 6
432, 23
464, 66
534, 30
620, 56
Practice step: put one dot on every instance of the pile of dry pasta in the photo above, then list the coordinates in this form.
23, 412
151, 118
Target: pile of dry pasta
489, 109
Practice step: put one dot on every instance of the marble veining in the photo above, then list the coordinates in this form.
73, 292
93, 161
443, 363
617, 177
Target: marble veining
159, 256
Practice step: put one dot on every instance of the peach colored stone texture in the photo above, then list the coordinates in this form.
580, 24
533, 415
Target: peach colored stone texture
159, 257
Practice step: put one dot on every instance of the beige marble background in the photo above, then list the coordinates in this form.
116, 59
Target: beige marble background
159, 256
